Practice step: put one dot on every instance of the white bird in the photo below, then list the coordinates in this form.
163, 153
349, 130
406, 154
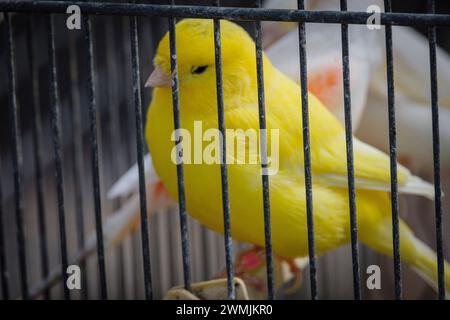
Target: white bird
413, 103
368, 80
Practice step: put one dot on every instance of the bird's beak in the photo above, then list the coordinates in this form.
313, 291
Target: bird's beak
158, 78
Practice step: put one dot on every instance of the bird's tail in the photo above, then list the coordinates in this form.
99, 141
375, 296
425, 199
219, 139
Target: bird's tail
413, 251
424, 261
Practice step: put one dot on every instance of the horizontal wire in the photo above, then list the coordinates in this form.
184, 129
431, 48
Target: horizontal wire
232, 13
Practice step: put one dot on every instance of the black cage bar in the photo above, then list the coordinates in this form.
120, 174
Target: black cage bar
216, 12
223, 167
140, 147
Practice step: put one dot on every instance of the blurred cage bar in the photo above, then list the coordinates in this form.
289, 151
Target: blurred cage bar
72, 122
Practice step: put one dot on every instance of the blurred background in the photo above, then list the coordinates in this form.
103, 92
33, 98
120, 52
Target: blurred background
116, 134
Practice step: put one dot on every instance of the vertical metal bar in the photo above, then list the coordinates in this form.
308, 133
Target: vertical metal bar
393, 155
307, 155
436, 154
128, 120
179, 150
115, 131
264, 158
4, 275
56, 129
77, 158
94, 157
17, 157
125, 60
350, 167
140, 157
37, 155
223, 165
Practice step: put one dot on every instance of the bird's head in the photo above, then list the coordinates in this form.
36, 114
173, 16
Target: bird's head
196, 60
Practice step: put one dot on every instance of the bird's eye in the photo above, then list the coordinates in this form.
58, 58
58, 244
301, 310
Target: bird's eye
199, 69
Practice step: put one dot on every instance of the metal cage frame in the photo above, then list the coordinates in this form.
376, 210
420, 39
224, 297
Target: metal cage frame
257, 14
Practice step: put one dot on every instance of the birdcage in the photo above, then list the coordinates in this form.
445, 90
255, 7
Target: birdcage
72, 123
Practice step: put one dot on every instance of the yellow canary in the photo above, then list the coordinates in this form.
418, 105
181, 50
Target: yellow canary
198, 102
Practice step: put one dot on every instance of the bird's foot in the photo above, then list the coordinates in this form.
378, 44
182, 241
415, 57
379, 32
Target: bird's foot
249, 265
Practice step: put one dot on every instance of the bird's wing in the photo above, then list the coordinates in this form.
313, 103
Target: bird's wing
371, 166
372, 170
328, 153
328, 144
